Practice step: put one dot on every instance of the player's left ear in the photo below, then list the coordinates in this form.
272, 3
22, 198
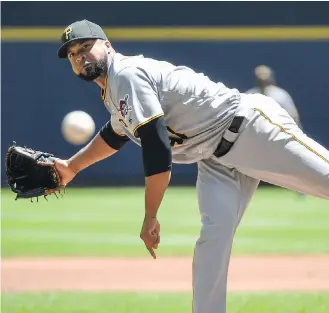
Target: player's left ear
108, 44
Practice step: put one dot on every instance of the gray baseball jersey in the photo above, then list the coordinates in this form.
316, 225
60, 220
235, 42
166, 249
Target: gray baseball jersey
269, 146
281, 96
196, 109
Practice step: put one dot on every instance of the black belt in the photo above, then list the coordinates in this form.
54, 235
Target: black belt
228, 139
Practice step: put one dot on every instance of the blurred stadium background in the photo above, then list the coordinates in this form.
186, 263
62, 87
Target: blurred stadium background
224, 40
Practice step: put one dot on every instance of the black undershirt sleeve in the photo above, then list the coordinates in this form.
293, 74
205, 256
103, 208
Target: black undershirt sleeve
113, 139
156, 147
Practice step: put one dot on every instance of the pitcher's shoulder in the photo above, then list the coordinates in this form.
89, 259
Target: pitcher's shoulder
119, 63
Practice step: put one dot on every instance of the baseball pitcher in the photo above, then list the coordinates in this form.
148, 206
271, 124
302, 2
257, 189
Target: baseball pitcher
177, 115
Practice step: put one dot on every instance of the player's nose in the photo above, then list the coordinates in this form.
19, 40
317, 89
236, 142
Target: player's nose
81, 58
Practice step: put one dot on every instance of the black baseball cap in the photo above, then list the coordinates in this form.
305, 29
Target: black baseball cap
79, 30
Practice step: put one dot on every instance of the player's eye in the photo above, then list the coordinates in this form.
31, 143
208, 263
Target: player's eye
85, 46
71, 55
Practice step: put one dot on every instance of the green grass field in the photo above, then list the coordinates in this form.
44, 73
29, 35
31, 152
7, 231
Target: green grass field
160, 303
107, 222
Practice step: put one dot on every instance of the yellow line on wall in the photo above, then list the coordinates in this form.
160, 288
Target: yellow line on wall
178, 33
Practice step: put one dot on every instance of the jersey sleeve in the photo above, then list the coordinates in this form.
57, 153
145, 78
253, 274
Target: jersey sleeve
137, 97
117, 127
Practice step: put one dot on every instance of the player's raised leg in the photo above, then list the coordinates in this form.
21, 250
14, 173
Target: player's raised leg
273, 148
223, 195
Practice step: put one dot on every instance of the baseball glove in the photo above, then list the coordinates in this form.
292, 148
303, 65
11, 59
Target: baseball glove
27, 177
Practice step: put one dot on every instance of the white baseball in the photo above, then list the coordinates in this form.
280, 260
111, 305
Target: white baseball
78, 127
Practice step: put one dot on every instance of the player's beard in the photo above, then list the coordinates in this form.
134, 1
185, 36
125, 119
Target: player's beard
95, 70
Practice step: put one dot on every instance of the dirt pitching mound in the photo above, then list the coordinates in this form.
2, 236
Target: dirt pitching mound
248, 273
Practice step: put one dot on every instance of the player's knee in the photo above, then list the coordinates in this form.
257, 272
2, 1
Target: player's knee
222, 233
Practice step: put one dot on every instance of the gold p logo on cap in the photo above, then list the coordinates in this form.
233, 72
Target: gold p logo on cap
67, 32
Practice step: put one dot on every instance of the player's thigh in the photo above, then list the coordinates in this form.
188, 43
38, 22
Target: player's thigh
304, 167
296, 161
273, 148
223, 195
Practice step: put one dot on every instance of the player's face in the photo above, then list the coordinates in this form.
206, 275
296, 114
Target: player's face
88, 58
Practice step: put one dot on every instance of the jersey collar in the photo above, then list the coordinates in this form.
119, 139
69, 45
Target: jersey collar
104, 90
